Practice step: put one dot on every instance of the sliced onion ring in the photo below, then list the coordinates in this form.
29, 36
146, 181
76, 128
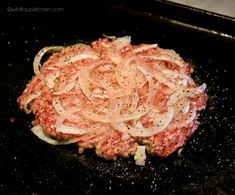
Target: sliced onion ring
37, 60
38, 131
28, 100
145, 132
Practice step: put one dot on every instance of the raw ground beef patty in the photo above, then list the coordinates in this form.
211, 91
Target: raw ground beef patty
118, 98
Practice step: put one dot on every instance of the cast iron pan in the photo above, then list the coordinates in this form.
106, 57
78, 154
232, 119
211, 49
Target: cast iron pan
30, 166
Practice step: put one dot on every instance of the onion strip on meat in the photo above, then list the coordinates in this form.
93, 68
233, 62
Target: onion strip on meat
37, 60
28, 99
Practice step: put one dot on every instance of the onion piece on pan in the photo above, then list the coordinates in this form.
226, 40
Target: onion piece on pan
140, 155
38, 131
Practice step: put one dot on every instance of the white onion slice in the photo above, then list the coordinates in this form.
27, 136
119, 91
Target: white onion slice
125, 137
130, 102
190, 117
162, 79
140, 155
178, 95
168, 55
29, 98
122, 41
83, 81
77, 57
65, 88
50, 78
201, 88
38, 131
125, 72
113, 52
66, 113
37, 60
146, 132
71, 130
74, 118
186, 107
140, 110
180, 78
145, 47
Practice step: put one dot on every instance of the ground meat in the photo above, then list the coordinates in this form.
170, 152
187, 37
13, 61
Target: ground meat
114, 96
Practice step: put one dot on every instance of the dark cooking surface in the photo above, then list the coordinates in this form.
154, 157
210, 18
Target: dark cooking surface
30, 166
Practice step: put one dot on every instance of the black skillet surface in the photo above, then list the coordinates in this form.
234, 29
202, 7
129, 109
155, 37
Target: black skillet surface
30, 166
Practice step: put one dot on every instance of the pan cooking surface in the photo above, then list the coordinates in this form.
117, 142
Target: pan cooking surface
28, 165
